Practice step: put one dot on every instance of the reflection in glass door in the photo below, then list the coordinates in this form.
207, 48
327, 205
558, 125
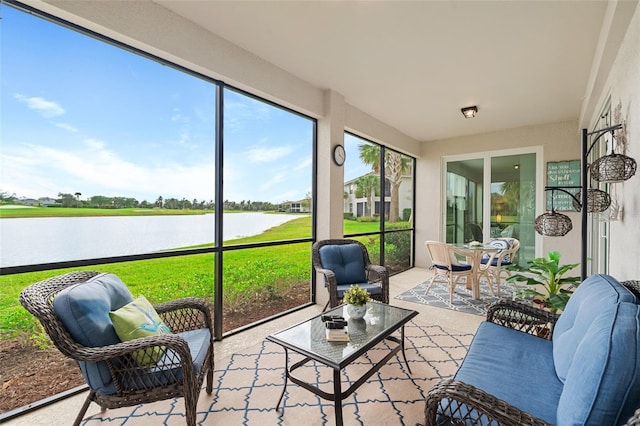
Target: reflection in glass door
513, 201
492, 197
464, 201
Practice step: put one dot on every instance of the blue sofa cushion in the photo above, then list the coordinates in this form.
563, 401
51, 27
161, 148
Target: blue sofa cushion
602, 385
515, 367
84, 310
597, 294
346, 261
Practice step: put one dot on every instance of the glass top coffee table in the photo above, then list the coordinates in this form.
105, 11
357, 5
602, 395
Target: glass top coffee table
308, 339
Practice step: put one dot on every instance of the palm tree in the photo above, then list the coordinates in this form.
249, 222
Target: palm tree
367, 185
395, 165
518, 196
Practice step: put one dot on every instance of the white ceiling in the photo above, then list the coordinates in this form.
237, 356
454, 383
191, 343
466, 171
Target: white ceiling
414, 64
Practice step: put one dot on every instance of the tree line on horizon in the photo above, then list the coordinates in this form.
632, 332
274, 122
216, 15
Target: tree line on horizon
104, 202
395, 166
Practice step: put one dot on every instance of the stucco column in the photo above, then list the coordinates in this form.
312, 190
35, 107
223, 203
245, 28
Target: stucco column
330, 178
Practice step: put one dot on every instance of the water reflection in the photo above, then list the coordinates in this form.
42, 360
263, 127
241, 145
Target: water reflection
27, 241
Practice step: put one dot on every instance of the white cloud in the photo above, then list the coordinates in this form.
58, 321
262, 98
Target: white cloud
177, 116
275, 179
265, 155
240, 114
291, 195
66, 126
305, 163
47, 109
185, 137
93, 144
38, 171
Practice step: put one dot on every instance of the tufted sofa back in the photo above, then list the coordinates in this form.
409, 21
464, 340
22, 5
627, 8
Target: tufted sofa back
596, 353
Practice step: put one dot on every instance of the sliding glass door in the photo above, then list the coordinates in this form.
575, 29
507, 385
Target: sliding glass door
492, 195
513, 200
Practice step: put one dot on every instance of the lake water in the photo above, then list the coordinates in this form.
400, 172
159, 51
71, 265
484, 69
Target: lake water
28, 241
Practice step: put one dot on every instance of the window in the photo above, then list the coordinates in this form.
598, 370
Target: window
598, 225
120, 152
379, 215
268, 155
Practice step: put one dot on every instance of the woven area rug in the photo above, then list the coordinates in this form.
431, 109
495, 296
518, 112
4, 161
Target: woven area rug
248, 384
462, 301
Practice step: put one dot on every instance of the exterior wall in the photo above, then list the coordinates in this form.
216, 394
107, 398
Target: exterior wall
623, 85
405, 197
559, 142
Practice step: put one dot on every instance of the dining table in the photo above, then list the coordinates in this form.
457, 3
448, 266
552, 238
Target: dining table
474, 253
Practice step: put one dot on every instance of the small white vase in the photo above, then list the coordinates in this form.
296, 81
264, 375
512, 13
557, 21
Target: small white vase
356, 312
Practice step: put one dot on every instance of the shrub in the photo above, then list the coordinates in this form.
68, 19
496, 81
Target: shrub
368, 219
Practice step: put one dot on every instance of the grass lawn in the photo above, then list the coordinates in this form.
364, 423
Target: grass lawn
248, 273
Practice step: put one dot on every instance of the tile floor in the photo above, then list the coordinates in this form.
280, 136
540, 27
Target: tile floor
64, 412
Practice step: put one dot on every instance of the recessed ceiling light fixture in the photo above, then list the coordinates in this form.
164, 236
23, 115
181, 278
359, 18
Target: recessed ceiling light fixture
469, 112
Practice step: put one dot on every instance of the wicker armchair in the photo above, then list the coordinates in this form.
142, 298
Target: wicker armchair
175, 374
374, 278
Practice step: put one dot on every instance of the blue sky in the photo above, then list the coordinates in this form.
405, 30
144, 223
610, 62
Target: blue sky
79, 115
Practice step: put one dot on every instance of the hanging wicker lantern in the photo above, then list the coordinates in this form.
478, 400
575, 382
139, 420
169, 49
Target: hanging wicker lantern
597, 201
553, 224
613, 168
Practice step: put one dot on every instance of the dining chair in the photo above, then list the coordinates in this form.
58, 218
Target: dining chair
505, 256
446, 266
343, 262
474, 232
129, 351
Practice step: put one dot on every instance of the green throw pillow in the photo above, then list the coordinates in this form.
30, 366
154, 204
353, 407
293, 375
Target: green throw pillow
138, 319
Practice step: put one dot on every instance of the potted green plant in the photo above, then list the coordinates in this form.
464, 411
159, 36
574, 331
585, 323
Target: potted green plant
356, 299
548, 286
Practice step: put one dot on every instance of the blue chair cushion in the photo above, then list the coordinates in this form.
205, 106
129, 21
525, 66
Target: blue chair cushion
597, 294
501, 244
528, 381
84, 310
602, 385
198, 341
346, 261
371, 288
494, 262
455, 268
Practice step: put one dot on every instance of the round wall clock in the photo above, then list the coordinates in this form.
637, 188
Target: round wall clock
339, 155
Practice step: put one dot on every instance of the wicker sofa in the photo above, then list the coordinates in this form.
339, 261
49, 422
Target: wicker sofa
526, 366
